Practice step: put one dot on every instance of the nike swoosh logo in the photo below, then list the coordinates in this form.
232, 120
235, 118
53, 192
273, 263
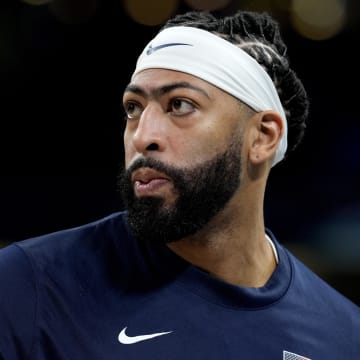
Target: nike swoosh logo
152, 49
127, 340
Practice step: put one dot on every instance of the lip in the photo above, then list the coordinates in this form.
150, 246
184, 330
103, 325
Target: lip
145, 175
147, 181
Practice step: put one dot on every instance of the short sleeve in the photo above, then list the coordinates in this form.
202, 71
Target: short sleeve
17, 303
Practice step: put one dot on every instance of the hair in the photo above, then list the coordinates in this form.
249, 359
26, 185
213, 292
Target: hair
258, 34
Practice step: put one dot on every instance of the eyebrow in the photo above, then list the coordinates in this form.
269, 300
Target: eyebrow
164, 89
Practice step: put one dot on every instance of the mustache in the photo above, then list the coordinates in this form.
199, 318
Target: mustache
154, 164
180, 176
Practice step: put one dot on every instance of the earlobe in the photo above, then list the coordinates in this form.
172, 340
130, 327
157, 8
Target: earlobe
269, 128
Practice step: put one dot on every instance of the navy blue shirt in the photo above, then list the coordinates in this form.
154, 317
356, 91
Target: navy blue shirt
94, 292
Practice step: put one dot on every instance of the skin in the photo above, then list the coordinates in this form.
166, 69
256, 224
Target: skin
182, 120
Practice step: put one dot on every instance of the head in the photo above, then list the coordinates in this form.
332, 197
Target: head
193, 126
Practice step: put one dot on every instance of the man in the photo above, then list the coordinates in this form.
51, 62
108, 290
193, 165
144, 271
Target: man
189, 270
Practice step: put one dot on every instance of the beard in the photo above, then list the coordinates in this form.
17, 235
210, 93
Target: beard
201, 191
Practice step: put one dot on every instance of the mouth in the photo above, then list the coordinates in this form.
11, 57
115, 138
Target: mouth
148, 182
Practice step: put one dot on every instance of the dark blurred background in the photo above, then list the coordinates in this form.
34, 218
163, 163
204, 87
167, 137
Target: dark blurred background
63, 66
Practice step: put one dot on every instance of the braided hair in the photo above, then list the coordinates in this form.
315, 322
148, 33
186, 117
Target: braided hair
258, 34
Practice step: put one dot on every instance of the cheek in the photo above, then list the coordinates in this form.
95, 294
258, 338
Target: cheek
201, 149
215, 138
128, 148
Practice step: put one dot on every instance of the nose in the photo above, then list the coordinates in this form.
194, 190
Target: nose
150, 133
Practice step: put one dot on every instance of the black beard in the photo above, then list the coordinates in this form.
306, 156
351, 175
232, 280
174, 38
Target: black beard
201, 193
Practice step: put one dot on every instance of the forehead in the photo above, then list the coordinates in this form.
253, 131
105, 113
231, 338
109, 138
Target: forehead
152, 79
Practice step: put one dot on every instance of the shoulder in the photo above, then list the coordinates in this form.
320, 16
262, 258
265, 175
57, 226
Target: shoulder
22, 255
311, 294
17, 301
308, 279
319, 297
15, 267
74, 239
57, 261
69, 249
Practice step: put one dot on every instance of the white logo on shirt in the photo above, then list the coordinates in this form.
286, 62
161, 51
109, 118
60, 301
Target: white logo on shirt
125, 339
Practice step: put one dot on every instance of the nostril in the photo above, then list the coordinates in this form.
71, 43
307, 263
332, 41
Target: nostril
152, 147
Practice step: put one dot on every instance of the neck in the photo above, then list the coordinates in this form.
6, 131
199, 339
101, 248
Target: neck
232, 247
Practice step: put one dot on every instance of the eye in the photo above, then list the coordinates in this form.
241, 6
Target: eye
180, 106
132, 110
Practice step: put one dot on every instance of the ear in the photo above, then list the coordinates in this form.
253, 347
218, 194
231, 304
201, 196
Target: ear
269, 130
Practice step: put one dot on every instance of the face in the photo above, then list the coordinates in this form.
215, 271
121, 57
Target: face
183, 144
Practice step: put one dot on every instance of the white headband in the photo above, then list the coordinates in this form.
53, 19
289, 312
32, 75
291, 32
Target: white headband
219, 62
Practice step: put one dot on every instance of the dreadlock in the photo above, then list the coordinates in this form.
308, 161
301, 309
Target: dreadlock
259, 35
